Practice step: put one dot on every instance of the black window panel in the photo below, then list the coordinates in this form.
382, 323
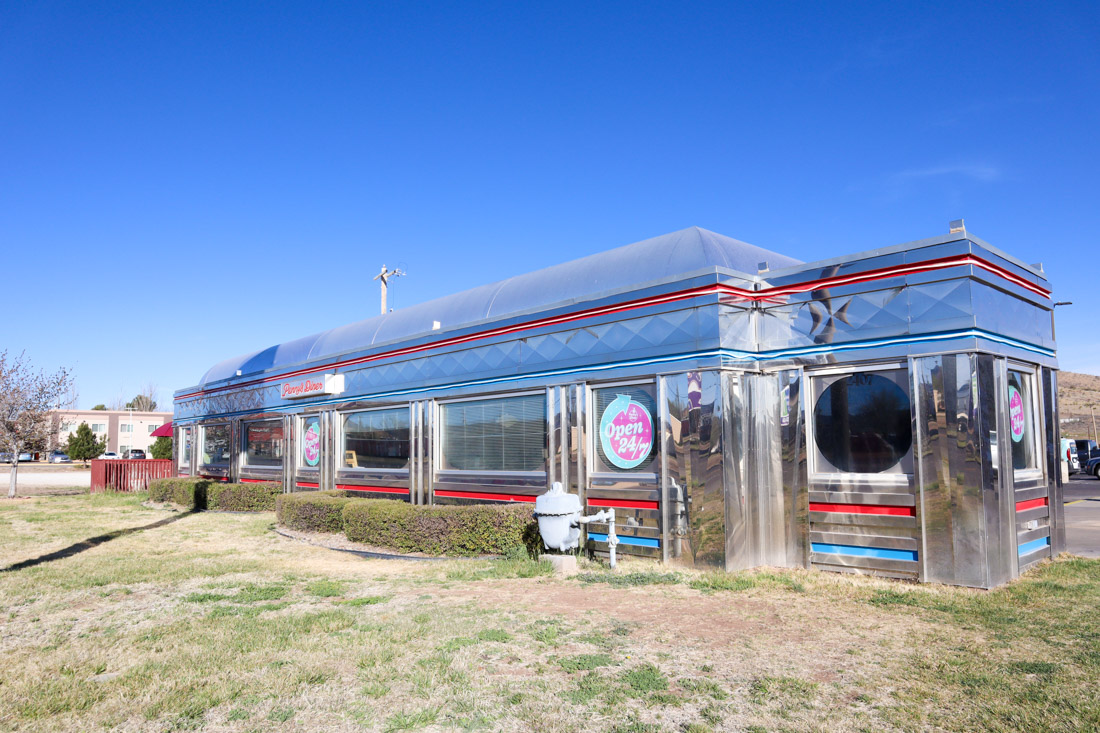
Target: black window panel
862, 423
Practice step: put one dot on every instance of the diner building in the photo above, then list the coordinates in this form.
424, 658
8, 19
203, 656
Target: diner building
889, 412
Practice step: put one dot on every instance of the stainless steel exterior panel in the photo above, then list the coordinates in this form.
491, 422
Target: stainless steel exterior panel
694, 482
950, 469
1053, 439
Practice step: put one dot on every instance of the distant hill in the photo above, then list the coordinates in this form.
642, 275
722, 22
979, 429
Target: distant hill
1076, 394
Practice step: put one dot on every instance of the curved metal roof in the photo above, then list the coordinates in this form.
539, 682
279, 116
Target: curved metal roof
681, 252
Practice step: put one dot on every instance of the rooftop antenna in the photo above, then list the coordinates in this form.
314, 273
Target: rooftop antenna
384, 276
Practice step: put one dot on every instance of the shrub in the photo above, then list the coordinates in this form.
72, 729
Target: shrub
489, 529
312, 511
189, 492
243, 497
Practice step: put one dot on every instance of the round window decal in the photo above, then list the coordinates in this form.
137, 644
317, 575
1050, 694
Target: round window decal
1016, 414
626, 432
311, 443
862, 424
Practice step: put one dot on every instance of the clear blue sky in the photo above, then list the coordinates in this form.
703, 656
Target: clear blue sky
183, 183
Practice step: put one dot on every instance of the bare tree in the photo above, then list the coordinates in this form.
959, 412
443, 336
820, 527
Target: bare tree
27, 401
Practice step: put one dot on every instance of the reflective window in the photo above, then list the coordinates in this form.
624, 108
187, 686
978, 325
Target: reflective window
505, 434
264, 444
625, 429
376, 439
862, 423
310, 451
98, 427
1021, 420
215, 445
185, 447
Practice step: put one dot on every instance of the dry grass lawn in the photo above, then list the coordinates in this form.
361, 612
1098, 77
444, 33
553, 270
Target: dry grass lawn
214, 622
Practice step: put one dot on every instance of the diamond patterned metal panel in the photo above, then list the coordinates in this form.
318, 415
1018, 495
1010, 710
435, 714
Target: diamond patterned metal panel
940, 301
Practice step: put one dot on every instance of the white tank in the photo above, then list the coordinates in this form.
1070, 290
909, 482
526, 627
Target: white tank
559, 514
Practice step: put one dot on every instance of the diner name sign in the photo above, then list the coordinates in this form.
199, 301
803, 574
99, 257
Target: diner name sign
312, 386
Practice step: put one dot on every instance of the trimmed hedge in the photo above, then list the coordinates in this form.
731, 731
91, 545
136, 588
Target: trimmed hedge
312, 511
259, 497
189, 492
202, 493
489, 529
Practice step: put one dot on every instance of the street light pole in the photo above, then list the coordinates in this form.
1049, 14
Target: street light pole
1053, 335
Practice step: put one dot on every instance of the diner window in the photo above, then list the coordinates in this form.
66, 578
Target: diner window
310, 452
625, 423
502, 434
376, 439
264, 444
1021, 419
862, 423
215, 445
185, 448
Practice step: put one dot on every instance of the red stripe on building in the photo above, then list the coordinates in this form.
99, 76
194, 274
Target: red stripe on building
623, 503
381, 489
481, 495
307, 485
767, 295
258, 480
893, 511
1023, 506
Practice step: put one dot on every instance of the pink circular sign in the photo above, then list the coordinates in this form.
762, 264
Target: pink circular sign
311, 444
1016, 413
626, 432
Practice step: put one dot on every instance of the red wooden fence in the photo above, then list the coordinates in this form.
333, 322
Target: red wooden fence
129, 475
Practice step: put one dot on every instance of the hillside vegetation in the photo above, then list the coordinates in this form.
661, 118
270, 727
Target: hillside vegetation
1077, 393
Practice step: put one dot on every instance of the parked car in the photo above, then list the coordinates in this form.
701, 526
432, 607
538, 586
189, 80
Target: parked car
58, 456
1069, 455
26, 456
5, 457
1087, 450
1093, 467
110, 456
135, 453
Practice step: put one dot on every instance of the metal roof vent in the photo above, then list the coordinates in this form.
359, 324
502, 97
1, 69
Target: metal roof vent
958, 227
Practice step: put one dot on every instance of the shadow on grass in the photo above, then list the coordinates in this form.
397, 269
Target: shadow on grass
91, 542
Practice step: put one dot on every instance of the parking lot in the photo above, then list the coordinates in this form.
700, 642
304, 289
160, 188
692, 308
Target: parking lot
1082, 498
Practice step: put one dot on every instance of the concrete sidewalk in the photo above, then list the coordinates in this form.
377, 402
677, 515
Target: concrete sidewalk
46, 480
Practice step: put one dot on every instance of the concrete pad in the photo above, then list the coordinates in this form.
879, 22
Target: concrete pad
565, 565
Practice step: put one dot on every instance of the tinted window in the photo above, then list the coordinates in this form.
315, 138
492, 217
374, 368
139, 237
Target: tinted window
376, 439
1021, 420
215, 445
264, 443
506, 434
862, 423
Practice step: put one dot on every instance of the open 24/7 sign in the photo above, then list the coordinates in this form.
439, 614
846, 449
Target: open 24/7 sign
626, 432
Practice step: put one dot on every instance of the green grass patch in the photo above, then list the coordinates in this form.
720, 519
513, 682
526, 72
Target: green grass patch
584, 662
629, 580
325, 588
646, 678
363, 601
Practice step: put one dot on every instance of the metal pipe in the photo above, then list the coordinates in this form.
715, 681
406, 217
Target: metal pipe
605, 515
